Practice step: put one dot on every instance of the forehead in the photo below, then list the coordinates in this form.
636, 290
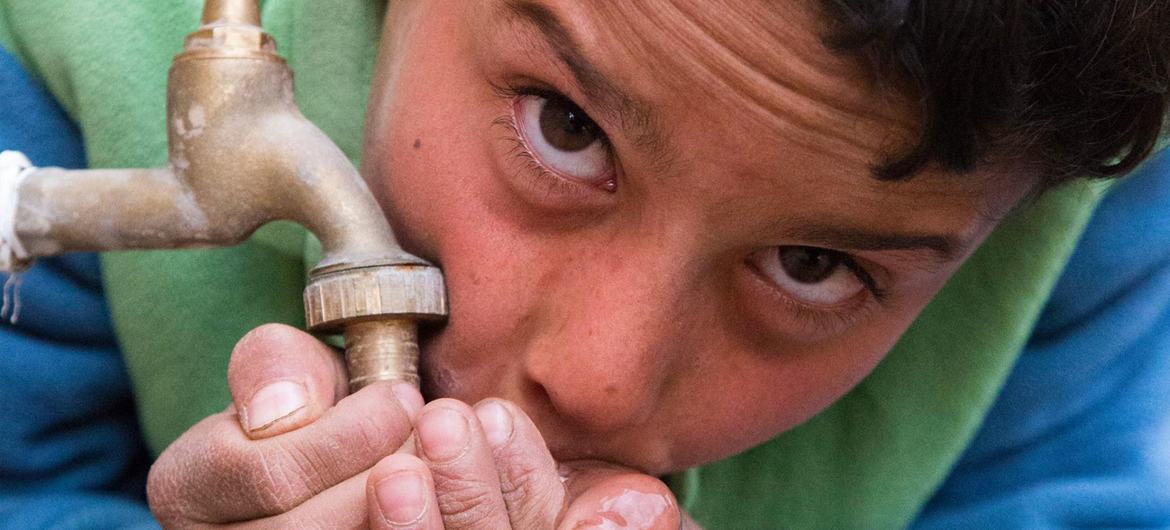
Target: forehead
760, 63
749, 88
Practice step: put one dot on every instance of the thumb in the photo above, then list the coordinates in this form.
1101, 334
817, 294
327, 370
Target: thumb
281, 379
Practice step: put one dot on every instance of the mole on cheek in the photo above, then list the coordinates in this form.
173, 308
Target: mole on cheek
417, 143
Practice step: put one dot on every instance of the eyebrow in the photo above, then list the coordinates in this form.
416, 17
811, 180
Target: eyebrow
636, 118
944, 247
632, 115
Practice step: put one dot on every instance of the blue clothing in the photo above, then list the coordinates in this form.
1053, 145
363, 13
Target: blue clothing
70, 452
1079, 437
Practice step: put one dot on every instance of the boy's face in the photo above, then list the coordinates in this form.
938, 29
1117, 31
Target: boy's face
657, 220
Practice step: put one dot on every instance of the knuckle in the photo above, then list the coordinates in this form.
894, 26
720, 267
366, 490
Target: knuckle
295, 469
519, 478
311, 462
526, 497
274, 487
286, 481
375, 436
211, 468
349, 438
382, 420
465, 503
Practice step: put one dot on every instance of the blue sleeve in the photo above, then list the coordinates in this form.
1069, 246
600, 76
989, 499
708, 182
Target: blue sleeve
70, 452
1080, 436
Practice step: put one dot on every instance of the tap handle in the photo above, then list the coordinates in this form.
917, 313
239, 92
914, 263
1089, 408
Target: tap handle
14, 167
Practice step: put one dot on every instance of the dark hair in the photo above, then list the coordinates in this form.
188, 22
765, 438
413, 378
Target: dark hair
1079, 86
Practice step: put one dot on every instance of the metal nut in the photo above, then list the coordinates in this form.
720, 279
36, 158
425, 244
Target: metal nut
401, 291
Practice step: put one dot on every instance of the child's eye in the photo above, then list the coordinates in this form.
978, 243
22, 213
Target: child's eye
563, 139
814, 276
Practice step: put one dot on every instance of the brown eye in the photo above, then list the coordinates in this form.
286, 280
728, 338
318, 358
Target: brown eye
565, 126
809, 264
812, 275
563, 139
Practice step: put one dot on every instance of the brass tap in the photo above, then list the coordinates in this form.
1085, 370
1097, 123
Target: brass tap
241, 154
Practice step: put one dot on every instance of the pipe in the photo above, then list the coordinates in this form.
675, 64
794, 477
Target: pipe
231, 12
241, 154
383, 346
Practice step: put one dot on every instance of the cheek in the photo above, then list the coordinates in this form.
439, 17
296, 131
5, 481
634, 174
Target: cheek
744, 395
423, 145
431, 170
436, 201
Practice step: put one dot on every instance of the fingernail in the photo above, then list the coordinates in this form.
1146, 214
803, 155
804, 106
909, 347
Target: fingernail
273, 402
496, 422
402, 497
442, 433
408, 398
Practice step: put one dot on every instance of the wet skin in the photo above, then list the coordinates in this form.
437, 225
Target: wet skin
658, 223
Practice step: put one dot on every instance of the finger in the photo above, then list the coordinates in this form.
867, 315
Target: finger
467, 487
282, 379
401, 495
342, 506
529, 483
609, 498
214, 473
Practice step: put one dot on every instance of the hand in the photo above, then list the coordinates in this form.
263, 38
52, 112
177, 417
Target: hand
295, 451
292, 451
488, 467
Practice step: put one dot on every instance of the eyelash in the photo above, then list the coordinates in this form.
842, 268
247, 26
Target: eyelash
864, 277
547, 178
829, 320
819, 319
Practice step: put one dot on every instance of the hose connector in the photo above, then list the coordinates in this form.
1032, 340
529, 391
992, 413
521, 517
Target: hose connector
377, 305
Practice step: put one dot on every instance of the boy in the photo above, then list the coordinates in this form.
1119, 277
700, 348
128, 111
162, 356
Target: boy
663, 241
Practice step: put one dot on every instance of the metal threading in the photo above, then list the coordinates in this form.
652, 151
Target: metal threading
381, 350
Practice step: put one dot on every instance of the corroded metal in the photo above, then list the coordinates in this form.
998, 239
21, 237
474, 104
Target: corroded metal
381, 350
241, 154
336, 298
220, 12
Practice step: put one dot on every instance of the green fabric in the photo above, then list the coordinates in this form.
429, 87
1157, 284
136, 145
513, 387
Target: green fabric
869, 461
178, 313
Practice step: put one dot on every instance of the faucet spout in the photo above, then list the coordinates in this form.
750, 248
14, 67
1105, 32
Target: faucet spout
241, 155
310, 169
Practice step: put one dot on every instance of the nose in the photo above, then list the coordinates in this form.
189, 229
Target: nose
611, 342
